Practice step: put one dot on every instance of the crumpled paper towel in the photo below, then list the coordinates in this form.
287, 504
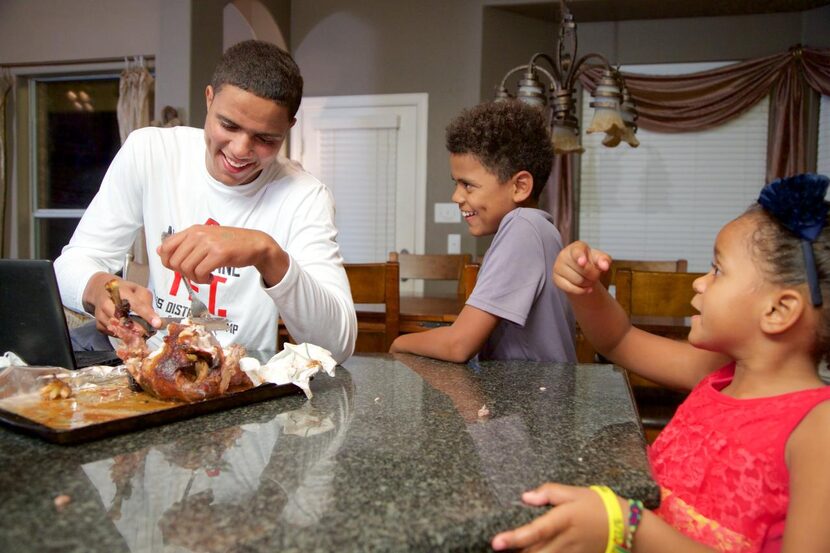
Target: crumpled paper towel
11, 359
295, 364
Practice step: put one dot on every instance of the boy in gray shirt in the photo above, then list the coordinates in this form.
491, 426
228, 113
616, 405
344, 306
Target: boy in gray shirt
500, 158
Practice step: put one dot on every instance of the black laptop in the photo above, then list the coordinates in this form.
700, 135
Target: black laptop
32, 322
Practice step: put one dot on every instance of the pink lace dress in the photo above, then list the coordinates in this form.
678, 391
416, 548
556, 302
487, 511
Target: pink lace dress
720, 464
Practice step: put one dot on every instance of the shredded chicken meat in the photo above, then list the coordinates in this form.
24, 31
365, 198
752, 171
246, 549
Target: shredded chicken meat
190, 366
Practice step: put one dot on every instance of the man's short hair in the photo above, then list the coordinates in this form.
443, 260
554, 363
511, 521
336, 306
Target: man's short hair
263, 69
505, 137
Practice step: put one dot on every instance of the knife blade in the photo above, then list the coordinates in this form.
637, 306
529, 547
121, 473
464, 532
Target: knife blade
210, 323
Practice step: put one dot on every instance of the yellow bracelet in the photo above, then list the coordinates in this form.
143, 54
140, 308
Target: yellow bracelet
616, 526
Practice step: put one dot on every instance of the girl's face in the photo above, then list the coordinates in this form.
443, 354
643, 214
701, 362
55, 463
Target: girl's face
730, 296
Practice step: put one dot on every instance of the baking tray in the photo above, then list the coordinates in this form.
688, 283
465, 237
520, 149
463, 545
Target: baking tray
113, 408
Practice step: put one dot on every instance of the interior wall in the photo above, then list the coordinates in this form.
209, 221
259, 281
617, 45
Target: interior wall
173, 60
509, 40
815, 26
50, 30
680, 40
458, 51
454, 51
258, 19
382, 47
59, 30
235, 27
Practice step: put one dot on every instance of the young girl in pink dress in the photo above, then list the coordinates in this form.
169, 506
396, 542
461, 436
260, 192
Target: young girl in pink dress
743, 465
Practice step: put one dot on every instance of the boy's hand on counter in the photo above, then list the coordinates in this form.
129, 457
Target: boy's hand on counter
578, 268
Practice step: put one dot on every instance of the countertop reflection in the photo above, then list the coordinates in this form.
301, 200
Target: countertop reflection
394, 453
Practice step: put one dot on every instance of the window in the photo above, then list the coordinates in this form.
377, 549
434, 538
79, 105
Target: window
668, 198
65, 136
74, 137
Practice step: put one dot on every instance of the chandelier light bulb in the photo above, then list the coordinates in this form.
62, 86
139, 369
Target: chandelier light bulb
614, 110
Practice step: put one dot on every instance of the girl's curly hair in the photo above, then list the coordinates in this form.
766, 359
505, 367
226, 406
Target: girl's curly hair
506, 137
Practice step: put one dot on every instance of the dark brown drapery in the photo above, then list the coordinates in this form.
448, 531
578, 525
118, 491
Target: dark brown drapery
698, 101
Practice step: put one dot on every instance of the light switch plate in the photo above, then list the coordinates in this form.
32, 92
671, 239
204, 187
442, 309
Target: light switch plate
447, 212
453, 243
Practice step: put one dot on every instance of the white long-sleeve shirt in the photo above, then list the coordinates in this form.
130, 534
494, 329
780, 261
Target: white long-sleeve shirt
159, 180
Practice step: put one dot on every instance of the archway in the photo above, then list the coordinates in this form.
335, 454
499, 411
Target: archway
247, 19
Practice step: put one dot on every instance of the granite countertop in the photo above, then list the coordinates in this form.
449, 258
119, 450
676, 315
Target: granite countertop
392, 454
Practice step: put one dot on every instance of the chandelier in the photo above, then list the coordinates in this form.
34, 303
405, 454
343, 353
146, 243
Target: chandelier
614, 110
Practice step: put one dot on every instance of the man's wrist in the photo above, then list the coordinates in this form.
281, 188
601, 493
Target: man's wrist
274, 265
93, 287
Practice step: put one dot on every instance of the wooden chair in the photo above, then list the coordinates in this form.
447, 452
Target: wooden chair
669, 266
584, 350
376, 283
469, 275
370, 283
433, 267
659, 294
655, 293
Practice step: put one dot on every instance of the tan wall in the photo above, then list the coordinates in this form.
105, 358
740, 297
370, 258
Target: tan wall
49, 30
382, 47
458, 51
455, 50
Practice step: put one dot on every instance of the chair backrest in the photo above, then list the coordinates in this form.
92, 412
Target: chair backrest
468, 278
656, 293
668, 266
433, 266
376, 283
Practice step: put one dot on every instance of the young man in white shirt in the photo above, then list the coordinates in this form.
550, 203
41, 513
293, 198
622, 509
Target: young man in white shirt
252, 231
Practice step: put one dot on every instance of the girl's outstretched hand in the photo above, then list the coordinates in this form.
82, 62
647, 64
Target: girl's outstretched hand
578, 268
577, 523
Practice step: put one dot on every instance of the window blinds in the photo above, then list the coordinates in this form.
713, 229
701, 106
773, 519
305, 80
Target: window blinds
668, 198
359, 166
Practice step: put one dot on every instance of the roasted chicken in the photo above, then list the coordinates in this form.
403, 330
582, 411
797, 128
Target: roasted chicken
190, 366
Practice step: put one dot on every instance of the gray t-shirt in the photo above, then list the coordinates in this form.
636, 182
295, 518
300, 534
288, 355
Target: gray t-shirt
515, 284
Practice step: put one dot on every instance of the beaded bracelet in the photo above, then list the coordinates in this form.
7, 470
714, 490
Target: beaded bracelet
635, 515
616, 527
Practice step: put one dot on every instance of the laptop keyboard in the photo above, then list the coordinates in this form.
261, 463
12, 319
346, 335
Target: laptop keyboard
90, 358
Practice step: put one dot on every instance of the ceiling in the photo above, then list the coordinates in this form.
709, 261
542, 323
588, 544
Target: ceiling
619, 10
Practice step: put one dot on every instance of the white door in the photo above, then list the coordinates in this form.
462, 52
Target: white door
371, 152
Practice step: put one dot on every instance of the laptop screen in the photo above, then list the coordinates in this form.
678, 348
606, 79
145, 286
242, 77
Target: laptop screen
33, 323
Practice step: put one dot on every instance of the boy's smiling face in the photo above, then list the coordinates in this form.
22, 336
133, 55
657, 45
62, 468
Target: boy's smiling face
481, 197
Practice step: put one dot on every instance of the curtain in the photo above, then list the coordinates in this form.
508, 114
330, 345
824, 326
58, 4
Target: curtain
698, 101
558, 200
6, 82
134, 91
134, 94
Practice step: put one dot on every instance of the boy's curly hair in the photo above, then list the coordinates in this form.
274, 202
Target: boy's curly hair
263, 69
506, 137
781, 260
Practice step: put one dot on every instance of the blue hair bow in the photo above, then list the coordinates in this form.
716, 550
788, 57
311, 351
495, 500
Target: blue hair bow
797, 203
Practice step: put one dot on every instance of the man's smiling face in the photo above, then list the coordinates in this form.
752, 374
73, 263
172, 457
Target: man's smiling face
243, 134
